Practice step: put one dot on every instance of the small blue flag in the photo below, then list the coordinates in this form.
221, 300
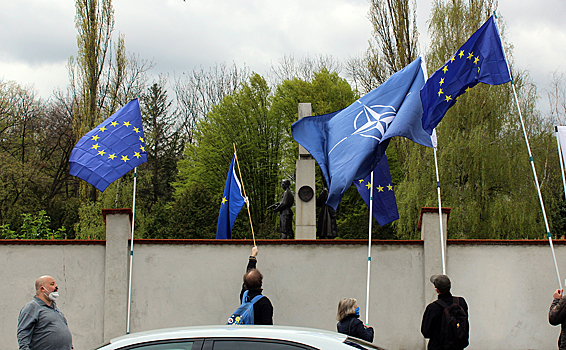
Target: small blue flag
480, 59
232, 203
348, 144
112, 149
384, 203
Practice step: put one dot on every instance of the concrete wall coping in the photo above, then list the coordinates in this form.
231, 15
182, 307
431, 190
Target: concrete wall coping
282, 242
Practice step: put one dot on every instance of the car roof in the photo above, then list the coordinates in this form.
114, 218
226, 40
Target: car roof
309, 336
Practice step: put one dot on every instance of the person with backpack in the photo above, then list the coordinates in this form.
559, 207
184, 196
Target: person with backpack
252, 293
349, 322
557, 316
445, 321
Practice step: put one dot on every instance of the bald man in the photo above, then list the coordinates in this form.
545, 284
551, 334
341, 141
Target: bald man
41, 325
253, 280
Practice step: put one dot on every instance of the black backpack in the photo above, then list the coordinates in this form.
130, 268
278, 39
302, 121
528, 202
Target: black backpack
455, 329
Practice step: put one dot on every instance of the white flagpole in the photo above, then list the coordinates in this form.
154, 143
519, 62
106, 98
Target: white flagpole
434, 141
132, 252
369, 245
442, 252
533, 167
560, 158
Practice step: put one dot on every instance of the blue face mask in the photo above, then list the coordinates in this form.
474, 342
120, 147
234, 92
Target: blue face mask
357, 311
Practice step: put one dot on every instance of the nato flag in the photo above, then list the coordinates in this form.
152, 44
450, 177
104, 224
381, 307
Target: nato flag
232, 203
348, 144
109, 151
384, 203
479, 60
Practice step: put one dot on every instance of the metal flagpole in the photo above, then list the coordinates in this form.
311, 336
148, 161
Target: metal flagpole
369, 245
560, 159
533, 167
434, 144
245, 198
132, 251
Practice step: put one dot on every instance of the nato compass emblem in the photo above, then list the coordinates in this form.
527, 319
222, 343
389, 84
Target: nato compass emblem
372, 122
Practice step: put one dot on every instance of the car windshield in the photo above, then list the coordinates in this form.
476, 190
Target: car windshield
360, 344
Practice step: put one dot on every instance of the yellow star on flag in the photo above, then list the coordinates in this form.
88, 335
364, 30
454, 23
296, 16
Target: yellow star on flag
125, 158
101, 152
112, 156
468, 89
441, 81
114, 123
448, 98
137, 154
470, 55
452, 59
379, 188
126, 124
95, 146
141, 139
224, 200
142, 149
389, 187
461, 53
368, 185
95, 137
445, 69
137, 130
361, 180
103, 129
440, 92
476, 59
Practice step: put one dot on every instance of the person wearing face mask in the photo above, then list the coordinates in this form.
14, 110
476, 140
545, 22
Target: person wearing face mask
349, 322
41, 325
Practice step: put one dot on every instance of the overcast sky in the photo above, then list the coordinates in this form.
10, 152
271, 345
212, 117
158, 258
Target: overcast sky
37, 37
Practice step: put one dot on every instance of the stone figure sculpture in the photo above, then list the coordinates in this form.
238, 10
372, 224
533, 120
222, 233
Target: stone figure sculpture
285, 212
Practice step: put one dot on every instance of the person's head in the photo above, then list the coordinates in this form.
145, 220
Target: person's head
346, 306
46, 289
253, 279
285, 184
441, 283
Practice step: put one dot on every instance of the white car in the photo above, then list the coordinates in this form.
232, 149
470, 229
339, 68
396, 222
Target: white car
237, 338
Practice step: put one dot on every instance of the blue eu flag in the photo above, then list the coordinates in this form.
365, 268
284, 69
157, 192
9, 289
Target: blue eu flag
232, 203
480, 59
348, 144
109, 151
384, 203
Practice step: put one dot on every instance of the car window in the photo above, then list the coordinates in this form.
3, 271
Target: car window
186, 345
254, 345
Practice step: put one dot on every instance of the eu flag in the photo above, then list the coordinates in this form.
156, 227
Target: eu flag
109, 151
384, 203
348, 144
232, 203
480, 59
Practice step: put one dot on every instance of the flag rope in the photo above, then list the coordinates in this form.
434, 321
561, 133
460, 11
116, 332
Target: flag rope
245, 197
561, 160
132, 251
369, 246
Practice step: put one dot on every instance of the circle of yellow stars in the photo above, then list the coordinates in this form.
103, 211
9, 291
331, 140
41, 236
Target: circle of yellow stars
111, 156
470, 56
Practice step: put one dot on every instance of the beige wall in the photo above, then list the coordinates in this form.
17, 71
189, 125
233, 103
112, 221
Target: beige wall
508, 287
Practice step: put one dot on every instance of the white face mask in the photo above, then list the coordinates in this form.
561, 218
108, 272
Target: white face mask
52, 296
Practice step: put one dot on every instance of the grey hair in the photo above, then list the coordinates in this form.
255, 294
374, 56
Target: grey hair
345, 308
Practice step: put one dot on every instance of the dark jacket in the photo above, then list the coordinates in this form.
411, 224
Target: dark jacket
557, 316
432, 320
351, 325
263, 310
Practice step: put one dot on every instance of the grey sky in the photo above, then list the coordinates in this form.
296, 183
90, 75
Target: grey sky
37, 37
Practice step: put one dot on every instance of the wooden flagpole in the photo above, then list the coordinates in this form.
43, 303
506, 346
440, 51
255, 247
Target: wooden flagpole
245, 197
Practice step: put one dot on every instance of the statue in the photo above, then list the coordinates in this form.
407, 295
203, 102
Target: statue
285, 212
326, 227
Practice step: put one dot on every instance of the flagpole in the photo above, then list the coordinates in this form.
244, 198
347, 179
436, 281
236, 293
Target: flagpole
132, 251
532, 166
440, 213
560, 159
369, 245
245, 197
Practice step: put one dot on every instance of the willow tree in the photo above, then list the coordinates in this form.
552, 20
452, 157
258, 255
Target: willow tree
484, 171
